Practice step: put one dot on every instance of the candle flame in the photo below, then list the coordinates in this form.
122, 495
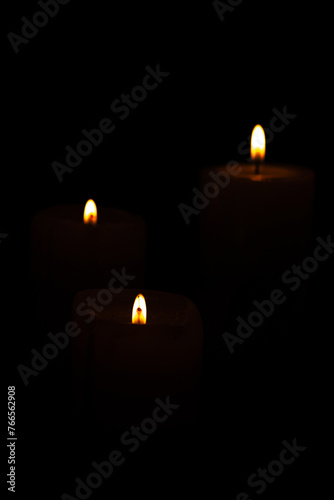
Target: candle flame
139, 310
90, 213
258, 144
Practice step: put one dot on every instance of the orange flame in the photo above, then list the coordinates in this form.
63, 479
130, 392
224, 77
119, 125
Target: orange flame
258, 144
90, 213
139, 312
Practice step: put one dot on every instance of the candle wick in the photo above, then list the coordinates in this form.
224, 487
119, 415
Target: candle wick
139, 311
257, 167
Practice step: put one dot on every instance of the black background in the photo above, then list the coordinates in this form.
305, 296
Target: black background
224, 78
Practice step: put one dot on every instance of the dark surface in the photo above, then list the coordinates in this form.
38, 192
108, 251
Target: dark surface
224, 78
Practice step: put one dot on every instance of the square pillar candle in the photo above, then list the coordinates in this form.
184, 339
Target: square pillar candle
140, 345
74, 248
258, 218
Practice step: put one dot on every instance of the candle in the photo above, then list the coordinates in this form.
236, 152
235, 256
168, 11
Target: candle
140, 345
260, 219
75, 248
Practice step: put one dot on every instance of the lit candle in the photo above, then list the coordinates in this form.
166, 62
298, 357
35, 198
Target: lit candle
259, 221
75, 247
140, 345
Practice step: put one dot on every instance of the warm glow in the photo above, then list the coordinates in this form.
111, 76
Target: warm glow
90, 213
258, 144
139, 310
